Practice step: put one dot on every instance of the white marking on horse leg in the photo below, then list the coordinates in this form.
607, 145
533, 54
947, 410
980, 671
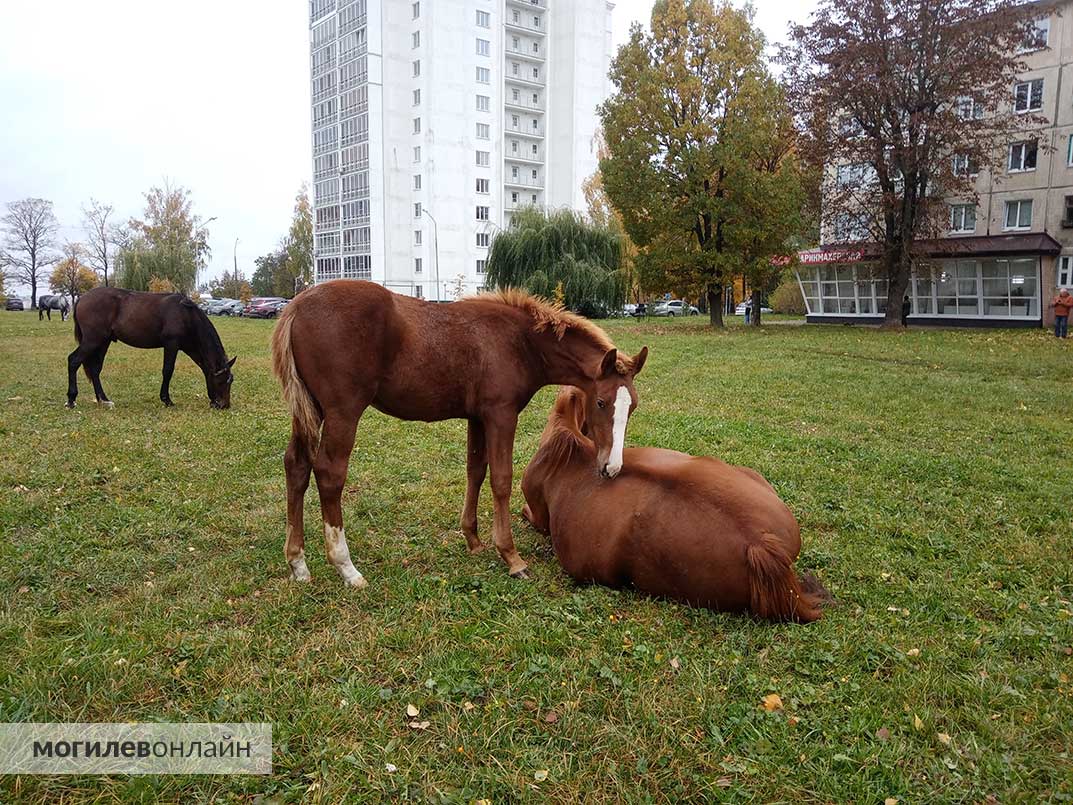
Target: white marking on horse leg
339, 555
622, 415
299, 569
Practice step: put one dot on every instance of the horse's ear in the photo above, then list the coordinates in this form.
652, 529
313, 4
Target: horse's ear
639, 360
231, 362
607, 365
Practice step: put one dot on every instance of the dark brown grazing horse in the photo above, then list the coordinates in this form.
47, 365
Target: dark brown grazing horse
147, 321
673, 525
345, 345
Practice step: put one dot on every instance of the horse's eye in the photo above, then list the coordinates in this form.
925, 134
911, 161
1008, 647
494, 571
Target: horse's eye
600, 403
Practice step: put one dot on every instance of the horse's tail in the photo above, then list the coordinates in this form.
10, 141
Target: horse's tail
304, 411
78, 330
775, 590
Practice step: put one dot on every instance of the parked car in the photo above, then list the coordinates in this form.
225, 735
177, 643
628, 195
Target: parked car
232, 307
14, 303
257, 301
266, 310
674, 307
212, 306
639, 310
740, 309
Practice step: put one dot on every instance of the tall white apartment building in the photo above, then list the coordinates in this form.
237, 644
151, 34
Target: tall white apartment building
434, 120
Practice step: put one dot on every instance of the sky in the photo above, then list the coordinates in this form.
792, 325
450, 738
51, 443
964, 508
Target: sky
107, 99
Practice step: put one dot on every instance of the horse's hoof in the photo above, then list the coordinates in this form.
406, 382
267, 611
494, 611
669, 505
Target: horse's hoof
69, 404
357, 581
105, 403
522, 574
168, 403
476, 547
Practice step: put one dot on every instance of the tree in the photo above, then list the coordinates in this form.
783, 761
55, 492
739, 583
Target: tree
541, 250
103, 237
270, 268
603, 213
902, 103
299, 246
683, 146
29, 229
169, 243
71, 276
232, 285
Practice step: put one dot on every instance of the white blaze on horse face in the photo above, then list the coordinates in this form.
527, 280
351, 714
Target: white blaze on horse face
618, 430
339, 555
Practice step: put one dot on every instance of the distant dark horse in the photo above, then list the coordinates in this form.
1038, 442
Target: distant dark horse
171, 322
47, 303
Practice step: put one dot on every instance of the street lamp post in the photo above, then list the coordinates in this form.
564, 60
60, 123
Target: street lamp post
435, 247
197, 268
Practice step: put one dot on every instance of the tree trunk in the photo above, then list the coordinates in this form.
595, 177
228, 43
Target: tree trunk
898, 268
714, 294
756, 308
33, 288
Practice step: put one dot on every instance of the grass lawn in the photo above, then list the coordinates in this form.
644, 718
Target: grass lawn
142, 578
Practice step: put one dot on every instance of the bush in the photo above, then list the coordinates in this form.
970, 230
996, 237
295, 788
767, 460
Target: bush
161, 285
787, 298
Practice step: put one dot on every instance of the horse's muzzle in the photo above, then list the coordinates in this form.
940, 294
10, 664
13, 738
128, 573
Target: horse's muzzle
219, 406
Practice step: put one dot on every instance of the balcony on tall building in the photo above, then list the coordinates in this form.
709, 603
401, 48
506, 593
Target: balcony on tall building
522, 26
526, 180
524, 78
524, 52
527, 3
525, 131
524, 103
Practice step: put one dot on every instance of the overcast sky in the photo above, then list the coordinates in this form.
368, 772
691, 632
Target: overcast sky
106, 99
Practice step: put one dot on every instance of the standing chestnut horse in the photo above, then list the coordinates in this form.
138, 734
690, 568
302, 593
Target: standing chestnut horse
345, 345
148, 321
692, 529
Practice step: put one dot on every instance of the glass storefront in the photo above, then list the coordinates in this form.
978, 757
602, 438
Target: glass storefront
991, 288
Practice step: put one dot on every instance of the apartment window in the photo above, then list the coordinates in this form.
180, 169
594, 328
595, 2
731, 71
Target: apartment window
962, 217
484, 103
536, 73
850, 228
514, 146
482, 213
483, 132
484, 75
417, 97
415, 39
514, 68
416, 9
483, 239
483, 159
1039, 35
484, 47
482, 266
515, 96
533, 198
1065, 272
417, 209
484, 19
417, 181
969, 109
514, 121
514, 198
1069, 152
514, 42
419, 292
1028, 96
964, 165
417, 125
417, 265
1018, 214
417, 153
534, 174
536, 47
1023, 156
417, 237
1067, 213
417, 67
534, 150
482, 185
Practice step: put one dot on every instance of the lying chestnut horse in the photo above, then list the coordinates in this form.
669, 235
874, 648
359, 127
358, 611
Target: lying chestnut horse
345, 345
692, 529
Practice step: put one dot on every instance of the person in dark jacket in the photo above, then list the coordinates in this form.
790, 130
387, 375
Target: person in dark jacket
906, 307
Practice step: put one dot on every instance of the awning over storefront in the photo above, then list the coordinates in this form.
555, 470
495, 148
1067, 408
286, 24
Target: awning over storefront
971, 246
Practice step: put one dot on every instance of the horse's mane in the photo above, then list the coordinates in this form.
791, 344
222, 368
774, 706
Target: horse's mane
547, 315
207, 335
562, 436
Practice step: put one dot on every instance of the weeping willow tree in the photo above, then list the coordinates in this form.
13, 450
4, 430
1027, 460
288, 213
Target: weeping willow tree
560, 255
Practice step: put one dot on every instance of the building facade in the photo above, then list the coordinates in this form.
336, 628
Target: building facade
435, 120
1006, 252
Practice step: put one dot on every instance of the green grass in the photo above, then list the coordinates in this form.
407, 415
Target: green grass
142, 578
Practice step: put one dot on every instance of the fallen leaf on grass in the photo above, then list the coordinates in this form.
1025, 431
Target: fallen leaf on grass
411, 711
890, 801
540, 775
419, 725
917, 723
675, 664
391, 767
913, 652
944, 739
467, 706
772, 702
883, 734
724, 782
551, 717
